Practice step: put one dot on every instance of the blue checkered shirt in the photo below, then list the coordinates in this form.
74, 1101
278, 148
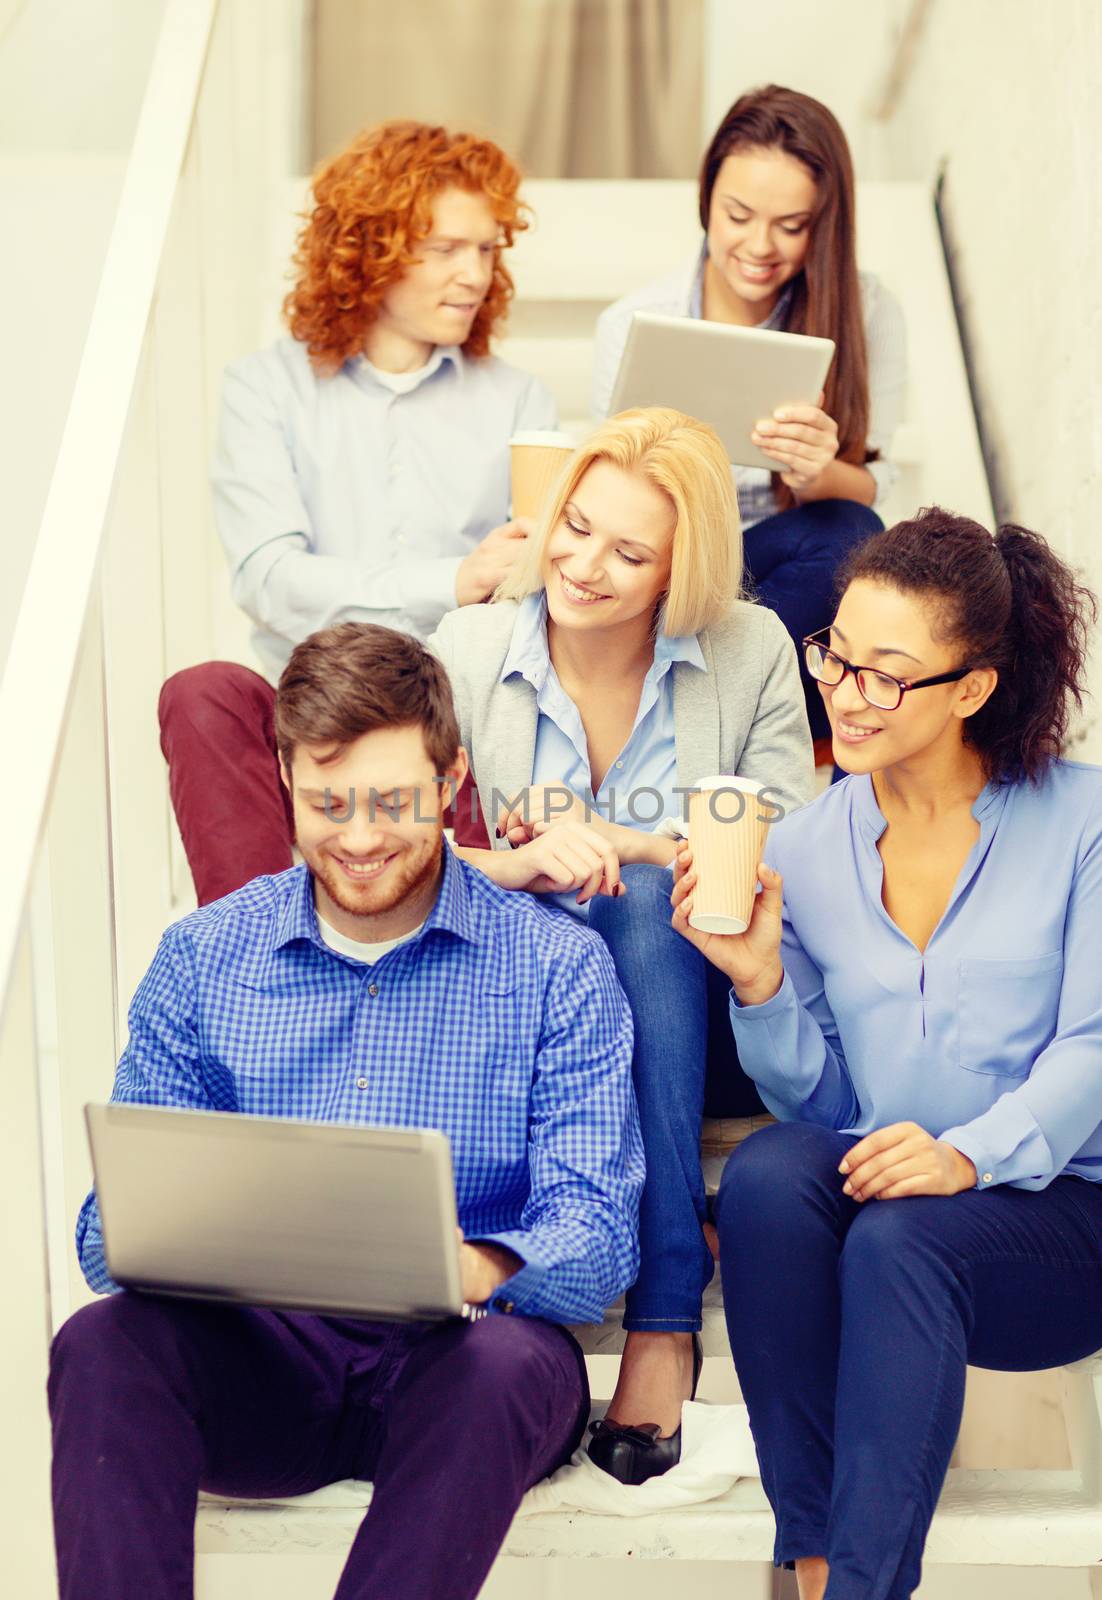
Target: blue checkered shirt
501, 1022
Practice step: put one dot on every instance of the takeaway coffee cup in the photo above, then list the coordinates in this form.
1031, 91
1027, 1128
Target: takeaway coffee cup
727, 828
536, 459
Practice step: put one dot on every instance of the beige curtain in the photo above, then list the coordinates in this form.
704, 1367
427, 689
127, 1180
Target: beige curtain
570, 88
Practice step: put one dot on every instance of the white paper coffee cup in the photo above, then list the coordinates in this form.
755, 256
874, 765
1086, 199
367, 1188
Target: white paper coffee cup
536, 459
728, 823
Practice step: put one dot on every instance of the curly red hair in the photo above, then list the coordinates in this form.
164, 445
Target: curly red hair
372, 207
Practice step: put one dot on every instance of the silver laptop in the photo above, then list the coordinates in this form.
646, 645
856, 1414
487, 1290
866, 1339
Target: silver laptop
260, 1211
725, 376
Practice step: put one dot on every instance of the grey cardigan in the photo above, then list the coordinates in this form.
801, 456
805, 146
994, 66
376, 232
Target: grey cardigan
744, 715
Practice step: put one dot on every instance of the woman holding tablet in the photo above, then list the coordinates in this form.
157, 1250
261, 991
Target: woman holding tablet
617, 669
926, 1019
777, 207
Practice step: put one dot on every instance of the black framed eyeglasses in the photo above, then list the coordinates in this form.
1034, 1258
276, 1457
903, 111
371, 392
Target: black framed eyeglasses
878, 688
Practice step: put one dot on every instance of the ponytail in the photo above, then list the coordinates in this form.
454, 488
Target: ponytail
1008, 603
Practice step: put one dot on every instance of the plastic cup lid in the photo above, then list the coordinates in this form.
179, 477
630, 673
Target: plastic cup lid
728, 780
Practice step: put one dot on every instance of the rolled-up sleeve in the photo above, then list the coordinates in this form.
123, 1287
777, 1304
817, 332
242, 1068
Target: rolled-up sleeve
578, 1233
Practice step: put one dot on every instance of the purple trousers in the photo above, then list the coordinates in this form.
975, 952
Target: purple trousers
154, 1399
233, 811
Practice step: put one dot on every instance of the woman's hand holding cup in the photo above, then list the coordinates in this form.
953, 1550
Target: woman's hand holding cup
752, 960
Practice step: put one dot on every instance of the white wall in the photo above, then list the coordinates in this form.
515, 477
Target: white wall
73, 72
1005, 92
837, 52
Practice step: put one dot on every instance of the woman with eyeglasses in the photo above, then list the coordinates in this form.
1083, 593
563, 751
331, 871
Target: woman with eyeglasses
917, 998
777, 206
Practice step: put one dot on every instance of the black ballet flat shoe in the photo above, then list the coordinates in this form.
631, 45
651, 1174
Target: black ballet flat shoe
631, 1455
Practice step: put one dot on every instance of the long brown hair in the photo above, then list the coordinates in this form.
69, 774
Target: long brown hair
826, 295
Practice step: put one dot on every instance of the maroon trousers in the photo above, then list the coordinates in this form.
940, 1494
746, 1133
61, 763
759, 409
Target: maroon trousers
233, 811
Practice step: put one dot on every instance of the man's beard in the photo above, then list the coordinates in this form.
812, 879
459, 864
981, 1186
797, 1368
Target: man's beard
402, 881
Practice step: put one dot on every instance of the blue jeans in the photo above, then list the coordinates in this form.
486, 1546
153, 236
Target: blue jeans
684, 1062
791, 559
851, 1326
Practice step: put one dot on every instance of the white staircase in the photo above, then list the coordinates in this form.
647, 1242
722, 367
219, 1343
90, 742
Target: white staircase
126, 584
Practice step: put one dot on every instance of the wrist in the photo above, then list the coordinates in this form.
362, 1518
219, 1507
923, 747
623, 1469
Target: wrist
496, 1264
965, 1168
762, 988
500, 866
509, 869
812, 489
633, 845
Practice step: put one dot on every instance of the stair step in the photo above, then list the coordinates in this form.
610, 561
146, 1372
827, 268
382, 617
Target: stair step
1041, 1519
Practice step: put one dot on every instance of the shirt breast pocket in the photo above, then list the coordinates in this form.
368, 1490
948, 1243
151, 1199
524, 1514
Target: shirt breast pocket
1007, 1012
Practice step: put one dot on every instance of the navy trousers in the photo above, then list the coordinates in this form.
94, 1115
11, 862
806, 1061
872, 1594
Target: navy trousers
851, 1326
791, 559
153, 1399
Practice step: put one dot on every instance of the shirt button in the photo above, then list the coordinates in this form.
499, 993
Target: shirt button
989, 1177
373, 988
619, 763
506, 1305
361, 1083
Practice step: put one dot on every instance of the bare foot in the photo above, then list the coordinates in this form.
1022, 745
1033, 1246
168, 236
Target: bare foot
811, 1577
656, 1375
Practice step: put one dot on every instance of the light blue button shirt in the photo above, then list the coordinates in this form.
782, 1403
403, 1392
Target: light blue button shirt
338, 499
639, 789
992, 1037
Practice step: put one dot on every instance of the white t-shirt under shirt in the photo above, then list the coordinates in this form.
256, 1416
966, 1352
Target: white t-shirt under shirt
356, 949
404, 382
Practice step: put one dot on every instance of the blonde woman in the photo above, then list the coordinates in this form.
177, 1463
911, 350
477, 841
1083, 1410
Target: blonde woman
617, 667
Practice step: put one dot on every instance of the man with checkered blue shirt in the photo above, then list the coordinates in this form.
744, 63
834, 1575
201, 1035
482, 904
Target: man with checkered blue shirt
382, 982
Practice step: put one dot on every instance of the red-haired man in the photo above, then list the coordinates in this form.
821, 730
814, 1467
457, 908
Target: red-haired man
362, 469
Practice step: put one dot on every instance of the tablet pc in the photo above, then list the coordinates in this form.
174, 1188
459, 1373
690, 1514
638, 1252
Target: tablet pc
726, 376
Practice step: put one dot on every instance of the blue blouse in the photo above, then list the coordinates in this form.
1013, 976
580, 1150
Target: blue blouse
638, 790
992, 1037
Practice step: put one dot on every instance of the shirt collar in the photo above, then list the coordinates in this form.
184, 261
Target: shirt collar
680, 647
529, 656
298, 919
452, 911
527, 653
441, 354
987, 807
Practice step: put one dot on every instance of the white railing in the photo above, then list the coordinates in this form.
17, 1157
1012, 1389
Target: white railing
124, 587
